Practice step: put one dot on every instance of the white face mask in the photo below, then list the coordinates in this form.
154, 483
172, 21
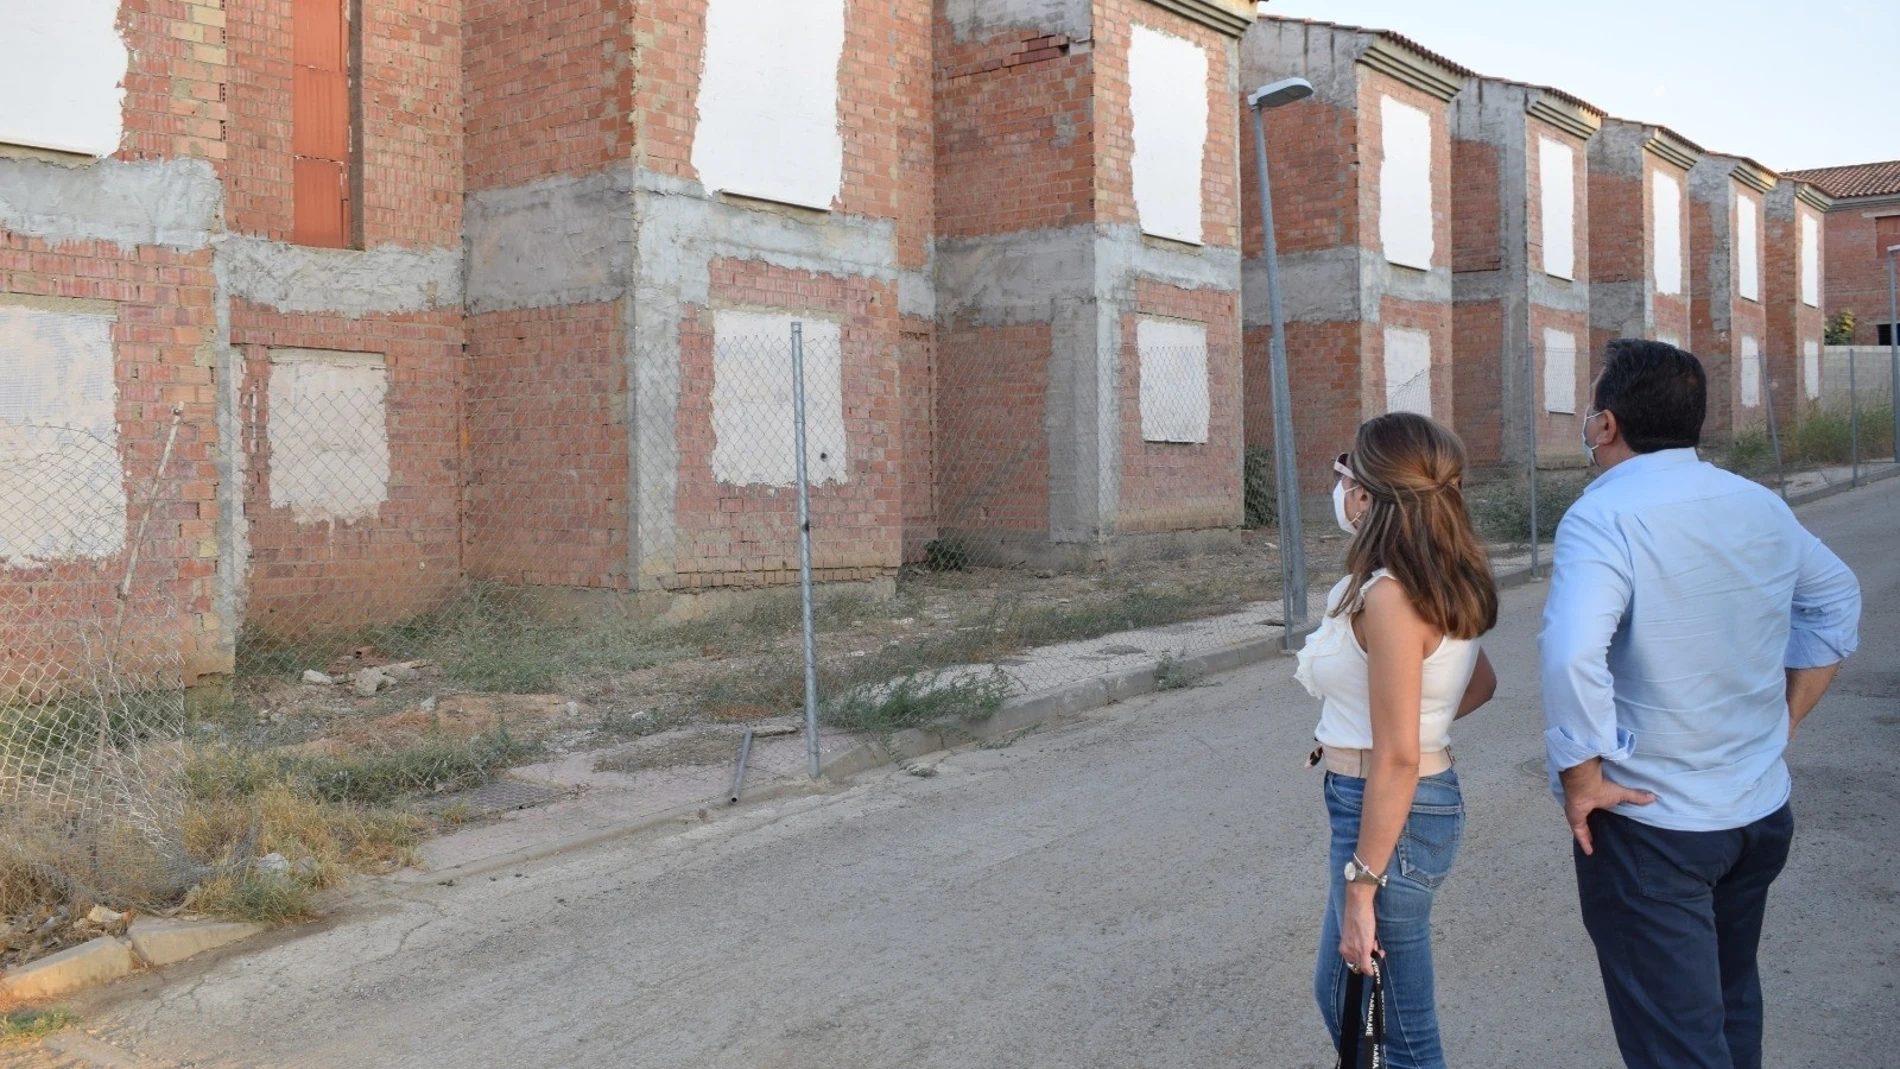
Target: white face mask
1588, 449
1339, 509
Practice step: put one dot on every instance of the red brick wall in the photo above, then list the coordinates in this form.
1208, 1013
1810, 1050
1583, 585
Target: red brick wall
546, 501
1476, 210
174, 108
412, 121
1169, 486
748, 535
549, 86
1558, 433
1322, 365
334, 576
1619, 231
1014, 134
1313, 150
1477, 378
1714, 349
992, 449
1372, 86
1854, 274
1791, 321
1434, 319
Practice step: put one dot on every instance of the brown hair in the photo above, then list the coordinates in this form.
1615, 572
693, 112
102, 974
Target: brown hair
1417, 527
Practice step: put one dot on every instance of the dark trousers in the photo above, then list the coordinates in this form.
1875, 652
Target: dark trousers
1676, 918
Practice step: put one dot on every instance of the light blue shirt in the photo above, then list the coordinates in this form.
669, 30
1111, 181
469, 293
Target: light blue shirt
1678, 595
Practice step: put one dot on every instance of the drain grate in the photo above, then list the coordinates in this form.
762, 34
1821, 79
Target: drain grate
500, 796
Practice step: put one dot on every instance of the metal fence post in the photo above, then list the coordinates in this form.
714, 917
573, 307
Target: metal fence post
804, 545
1774, 434
1530, 439
1893, 348
1853, 420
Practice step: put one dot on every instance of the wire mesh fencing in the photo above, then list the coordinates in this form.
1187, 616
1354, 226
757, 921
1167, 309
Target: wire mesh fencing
93, 634
1807, 422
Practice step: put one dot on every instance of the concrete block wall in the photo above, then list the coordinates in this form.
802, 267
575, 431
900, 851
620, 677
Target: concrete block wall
1043, 272
1634, 293
1794, 291
1513, 304
1340, 290
1727, 323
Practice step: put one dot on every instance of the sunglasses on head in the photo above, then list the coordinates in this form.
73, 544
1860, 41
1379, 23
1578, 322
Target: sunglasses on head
1340, 465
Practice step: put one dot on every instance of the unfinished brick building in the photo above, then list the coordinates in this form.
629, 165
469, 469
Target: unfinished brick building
494, 290
1640, 240
1791, 288
1521, 267
1362, 204
1861, 224
1728, 317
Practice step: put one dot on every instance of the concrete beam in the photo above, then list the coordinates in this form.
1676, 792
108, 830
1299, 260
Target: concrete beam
353, 283
176, 204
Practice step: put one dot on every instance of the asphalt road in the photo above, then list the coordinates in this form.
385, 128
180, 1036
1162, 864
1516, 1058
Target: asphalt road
1140, 887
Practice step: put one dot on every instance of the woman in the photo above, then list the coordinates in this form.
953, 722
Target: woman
1395, 661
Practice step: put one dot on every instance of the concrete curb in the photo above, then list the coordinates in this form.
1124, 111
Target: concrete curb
149, 944
1882, 474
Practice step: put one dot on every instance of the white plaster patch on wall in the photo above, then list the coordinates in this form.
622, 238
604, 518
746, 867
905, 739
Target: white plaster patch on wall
1665, 205
1560, 371
1167, 84
768, 100
1750, 372
1810, 261
1556, 178
1408, 366
1811, 369
60, 86
328, 429
1174, 390
1747, 249
1669, 339
62, 494
1405, 184
752, 414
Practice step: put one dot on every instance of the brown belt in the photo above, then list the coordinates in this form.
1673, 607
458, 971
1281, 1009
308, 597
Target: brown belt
1343, 762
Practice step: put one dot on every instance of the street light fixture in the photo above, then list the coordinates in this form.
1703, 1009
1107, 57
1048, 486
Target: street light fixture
1286, 469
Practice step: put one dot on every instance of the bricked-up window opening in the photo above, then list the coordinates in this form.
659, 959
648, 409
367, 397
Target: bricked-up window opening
322, 134
1886, 234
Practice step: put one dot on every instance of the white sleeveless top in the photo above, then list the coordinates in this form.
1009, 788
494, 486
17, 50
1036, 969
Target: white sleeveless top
1332, 667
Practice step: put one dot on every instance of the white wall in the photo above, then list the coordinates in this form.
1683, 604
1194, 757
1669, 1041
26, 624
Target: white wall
1811, 369
1810, 260
1560, 371
1408, 362
328, 428
754, 441
1556, 178
1174, 392
1665, 204
1167, 87
1405, 184
768, 100
1669, 339
62, 487
60, 82
1751, 372
1747, 247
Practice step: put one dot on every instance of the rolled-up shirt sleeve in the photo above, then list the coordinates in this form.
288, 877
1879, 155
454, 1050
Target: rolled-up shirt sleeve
1589, 595
1826, 614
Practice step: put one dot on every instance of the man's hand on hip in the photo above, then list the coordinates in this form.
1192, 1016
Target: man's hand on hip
1587, 790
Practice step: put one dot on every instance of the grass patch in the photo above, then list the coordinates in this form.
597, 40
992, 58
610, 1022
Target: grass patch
28, 1026
916, 701
1176, 673
1501, 510
255, 897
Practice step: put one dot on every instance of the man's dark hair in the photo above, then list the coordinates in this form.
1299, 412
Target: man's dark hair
1658, 392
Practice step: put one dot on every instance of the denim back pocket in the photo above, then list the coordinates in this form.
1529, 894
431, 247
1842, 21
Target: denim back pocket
1429, 843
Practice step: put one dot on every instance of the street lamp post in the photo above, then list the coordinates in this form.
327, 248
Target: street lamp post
1286, 468
1893, 348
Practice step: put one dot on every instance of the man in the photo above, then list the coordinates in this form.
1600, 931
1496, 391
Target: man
1692, 623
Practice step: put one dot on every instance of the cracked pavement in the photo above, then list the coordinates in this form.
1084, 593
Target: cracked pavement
1139, 886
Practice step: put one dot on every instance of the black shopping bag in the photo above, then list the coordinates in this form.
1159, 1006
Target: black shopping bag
1362, 1023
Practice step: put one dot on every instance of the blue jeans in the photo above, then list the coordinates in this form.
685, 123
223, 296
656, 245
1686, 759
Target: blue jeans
1423, 859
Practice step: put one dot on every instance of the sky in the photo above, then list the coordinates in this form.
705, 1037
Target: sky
1791, 85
